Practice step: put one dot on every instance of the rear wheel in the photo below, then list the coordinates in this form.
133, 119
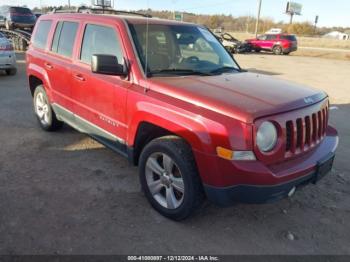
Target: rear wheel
11, 71
43, 110
169, 177
277, 50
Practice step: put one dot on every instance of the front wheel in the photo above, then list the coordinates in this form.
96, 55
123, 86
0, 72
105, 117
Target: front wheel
43, 110
169, 177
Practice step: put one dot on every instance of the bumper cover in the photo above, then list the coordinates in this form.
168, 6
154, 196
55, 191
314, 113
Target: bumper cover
264, 187
254, 194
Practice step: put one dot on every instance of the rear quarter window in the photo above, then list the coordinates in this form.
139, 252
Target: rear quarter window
289, 37
41, 34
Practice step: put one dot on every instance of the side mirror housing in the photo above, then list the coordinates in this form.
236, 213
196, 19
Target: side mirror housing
107, 65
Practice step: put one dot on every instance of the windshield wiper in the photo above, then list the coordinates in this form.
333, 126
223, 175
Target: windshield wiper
176, 71
223, 69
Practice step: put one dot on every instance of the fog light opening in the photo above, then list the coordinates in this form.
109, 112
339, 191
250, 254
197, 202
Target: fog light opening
291, 192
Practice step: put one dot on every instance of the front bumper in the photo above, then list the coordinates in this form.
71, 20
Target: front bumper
22, 25
255, 194
255, 182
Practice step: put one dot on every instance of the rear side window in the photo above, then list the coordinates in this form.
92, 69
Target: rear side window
289, 37
271, 37
100, 40
63, 40
40, 37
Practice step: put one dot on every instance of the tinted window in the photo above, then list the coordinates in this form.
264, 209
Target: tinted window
271, 37
1, 35
40, 37
63, 41
262, 37
289, 37
100, 40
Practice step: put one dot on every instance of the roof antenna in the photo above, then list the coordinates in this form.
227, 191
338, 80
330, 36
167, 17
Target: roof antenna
146, 56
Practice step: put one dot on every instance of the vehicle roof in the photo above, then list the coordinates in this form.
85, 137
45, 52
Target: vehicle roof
111, 18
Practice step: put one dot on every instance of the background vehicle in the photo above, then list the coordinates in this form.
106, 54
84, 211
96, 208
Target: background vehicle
274, 31
234, 45
277, 43
7, 56
12, 17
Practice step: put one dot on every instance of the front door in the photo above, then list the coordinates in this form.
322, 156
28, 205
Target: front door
100, 100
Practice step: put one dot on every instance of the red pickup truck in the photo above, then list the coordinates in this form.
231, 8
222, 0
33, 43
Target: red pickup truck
277, 43
168, 96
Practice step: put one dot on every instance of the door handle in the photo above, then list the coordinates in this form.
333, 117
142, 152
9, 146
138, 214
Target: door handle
48, 66
79, 77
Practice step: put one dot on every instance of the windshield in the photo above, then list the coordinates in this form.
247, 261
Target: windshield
180, 50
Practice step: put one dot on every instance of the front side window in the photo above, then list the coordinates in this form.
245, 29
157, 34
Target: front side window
63, 40
100, 40
180, 50
41, 34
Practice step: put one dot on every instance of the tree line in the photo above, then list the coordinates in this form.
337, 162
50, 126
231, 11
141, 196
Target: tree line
235, 24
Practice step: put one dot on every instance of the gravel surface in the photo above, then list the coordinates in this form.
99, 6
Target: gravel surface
63, 193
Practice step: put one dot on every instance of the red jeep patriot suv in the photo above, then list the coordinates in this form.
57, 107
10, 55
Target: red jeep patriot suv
169, 97
277, 43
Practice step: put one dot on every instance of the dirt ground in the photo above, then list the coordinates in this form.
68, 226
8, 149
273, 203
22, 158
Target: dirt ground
62, 193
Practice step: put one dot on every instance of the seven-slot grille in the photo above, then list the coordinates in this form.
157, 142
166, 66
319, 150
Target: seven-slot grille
306, 132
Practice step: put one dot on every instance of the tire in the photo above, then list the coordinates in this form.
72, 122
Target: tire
277, 50
257, 50
177, 189
287, 53
46, 116
11, 72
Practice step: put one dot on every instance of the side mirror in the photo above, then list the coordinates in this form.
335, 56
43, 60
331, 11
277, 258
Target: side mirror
107, 65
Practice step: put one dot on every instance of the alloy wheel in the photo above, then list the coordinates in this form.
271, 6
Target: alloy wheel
164, 180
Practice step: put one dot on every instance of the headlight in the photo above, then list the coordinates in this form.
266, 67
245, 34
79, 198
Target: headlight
266, 137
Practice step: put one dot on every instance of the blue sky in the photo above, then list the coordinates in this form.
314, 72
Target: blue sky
332, 13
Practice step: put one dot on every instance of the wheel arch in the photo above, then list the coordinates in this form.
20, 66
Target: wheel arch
34, 82
38, 76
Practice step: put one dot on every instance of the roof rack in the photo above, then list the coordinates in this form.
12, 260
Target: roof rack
91, 10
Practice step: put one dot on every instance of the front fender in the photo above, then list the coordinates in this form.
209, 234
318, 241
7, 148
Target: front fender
201, 133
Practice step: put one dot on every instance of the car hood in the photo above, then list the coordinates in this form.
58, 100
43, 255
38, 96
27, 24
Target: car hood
244, 96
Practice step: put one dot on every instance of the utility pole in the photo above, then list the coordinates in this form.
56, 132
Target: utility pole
258, 19
291, 18
69, 4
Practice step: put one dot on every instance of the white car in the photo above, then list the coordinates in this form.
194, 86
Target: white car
7, 56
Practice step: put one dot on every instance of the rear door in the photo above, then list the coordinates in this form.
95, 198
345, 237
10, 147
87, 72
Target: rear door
59, 65
100, 100
270, 42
